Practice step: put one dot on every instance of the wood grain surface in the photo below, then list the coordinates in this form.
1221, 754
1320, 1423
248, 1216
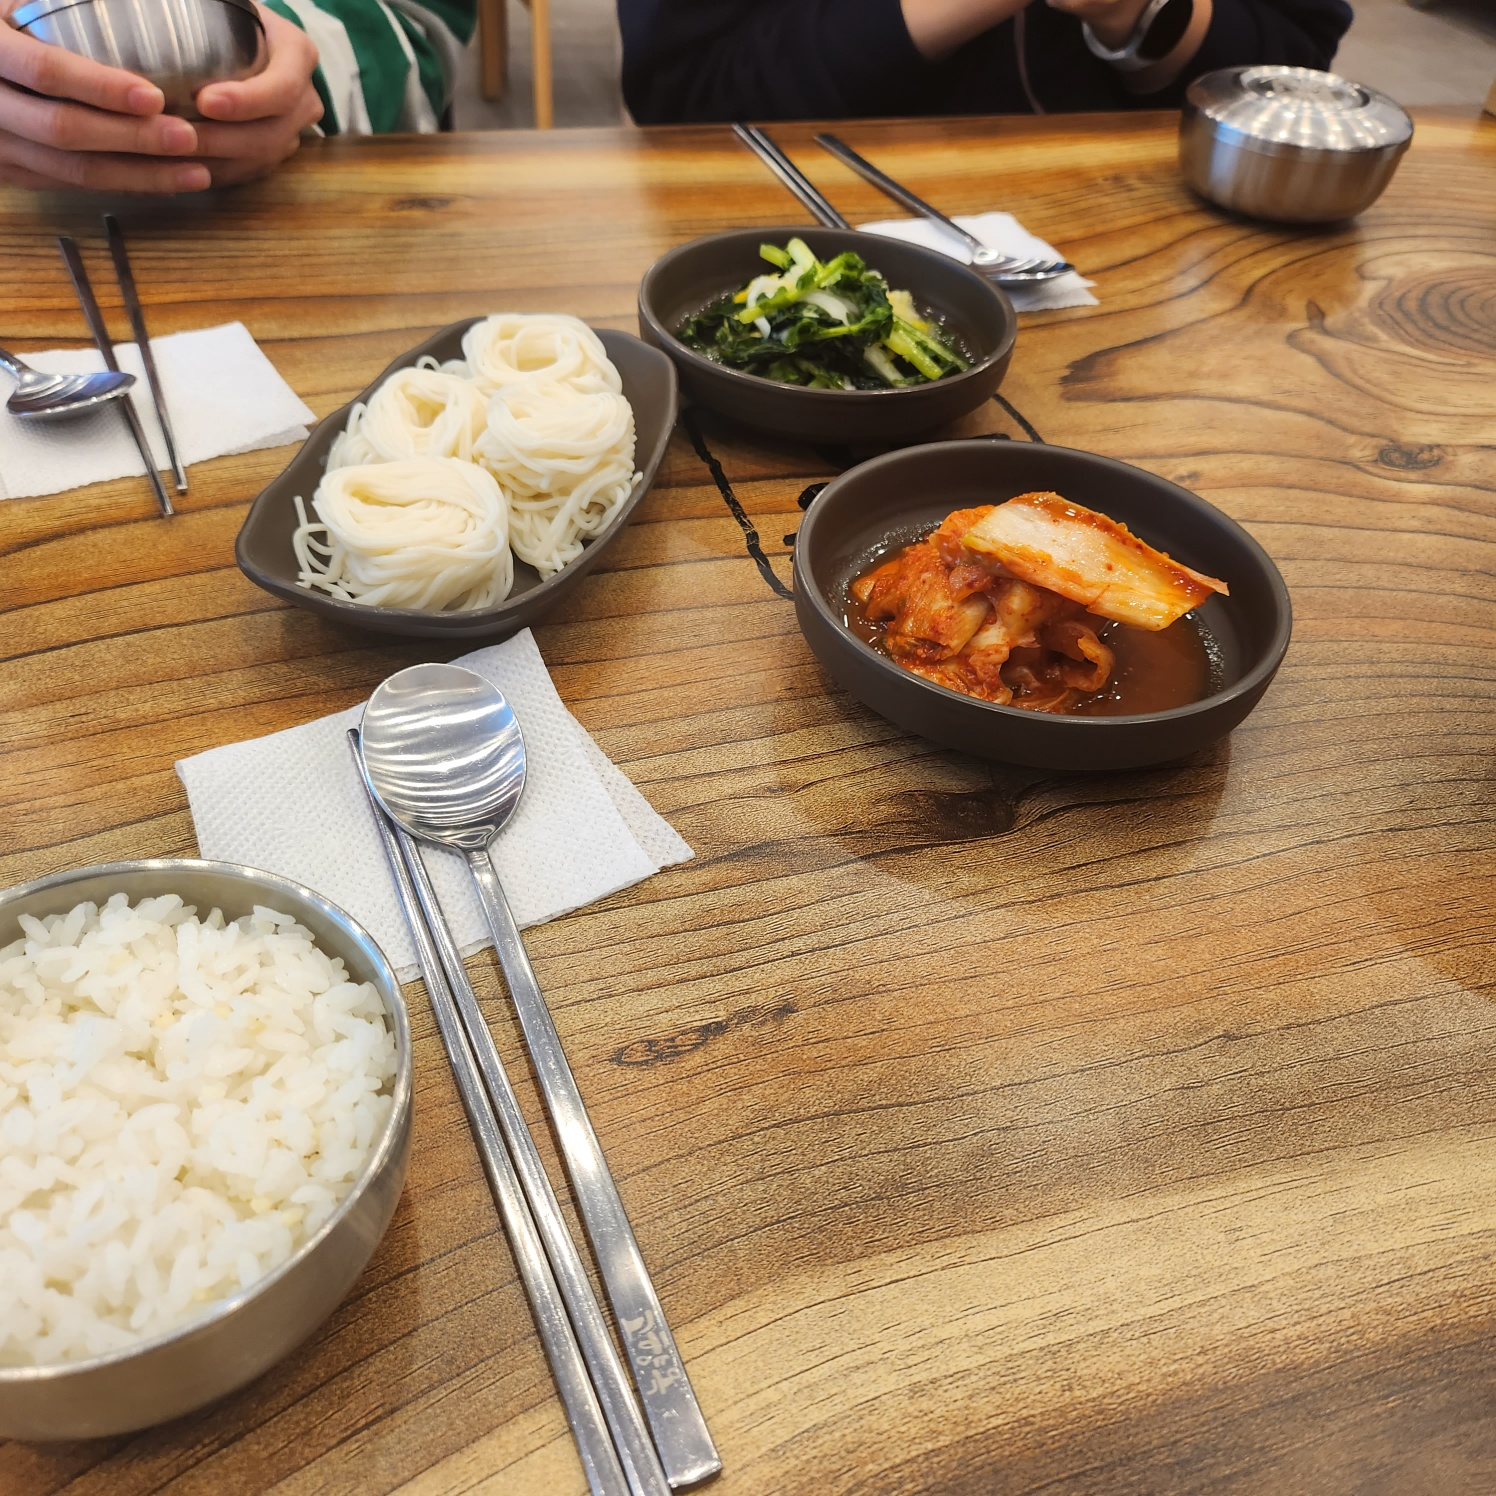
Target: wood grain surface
987, 1130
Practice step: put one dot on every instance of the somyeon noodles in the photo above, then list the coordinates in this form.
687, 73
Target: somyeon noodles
418, 412
449, 471
519, 347
428, 532
565, 459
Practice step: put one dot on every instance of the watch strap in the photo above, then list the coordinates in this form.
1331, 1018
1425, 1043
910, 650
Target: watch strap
1157, 32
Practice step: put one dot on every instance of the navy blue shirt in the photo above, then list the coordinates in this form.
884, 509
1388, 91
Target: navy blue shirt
689, 60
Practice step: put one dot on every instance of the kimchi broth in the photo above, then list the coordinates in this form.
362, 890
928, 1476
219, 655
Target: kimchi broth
1047, 606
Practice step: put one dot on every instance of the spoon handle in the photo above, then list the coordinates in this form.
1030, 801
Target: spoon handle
675, 1418
605, 1476
640, 1463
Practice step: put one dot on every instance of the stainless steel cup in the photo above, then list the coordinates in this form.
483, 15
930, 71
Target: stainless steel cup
179, 45
1290, 144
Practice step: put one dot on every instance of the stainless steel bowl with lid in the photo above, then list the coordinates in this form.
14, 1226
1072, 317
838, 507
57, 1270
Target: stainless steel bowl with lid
237, 1338
1290, 144
179, 45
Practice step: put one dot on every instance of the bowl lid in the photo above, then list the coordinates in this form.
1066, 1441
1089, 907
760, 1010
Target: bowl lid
1299, 108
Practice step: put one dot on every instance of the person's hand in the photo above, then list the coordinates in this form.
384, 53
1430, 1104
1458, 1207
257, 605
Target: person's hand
102, 128
96, 127
1111, 21
249, 128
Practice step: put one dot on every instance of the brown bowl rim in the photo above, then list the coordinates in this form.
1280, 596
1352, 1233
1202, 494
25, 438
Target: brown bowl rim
699, 363
1254, 679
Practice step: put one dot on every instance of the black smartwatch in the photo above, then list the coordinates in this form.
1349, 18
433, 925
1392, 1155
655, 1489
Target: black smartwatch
1157, 33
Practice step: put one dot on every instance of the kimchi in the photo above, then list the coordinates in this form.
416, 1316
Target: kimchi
1010, 602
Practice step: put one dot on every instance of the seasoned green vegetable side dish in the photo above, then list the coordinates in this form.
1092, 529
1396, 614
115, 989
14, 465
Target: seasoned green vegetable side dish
831, 326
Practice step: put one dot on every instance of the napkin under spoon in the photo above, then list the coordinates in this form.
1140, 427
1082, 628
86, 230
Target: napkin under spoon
443, 753
600, 1462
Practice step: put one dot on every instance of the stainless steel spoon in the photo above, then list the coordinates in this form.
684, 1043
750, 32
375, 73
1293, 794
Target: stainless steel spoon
443, 973
1003, 269
444, 755
41, 396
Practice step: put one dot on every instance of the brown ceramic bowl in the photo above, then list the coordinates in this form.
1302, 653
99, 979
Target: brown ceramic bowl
903, 495
974, 311
263, 549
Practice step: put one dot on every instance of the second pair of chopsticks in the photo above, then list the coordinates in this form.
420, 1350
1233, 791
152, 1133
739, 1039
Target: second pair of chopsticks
1003, 269
775, 159
123, 273
617, 1452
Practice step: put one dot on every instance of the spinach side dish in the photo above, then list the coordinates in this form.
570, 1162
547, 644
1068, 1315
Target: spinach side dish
827, 326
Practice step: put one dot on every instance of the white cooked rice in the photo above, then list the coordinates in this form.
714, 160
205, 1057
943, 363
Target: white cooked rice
182, 1103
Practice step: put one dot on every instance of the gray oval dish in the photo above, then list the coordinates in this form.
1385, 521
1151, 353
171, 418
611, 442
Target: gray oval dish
903, 495
974, 310
239, 1337
263, 549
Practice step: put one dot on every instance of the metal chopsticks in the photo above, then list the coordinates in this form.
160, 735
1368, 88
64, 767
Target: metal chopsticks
790, 174
79, 275
611, 1436
1002, 267
133, 310
885, 183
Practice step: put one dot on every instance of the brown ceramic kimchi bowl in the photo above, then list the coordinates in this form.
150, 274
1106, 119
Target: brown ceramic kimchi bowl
897, 498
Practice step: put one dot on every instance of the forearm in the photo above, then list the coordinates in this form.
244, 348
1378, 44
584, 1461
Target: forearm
1164, 72
1226, 33
939, 27
1303, 34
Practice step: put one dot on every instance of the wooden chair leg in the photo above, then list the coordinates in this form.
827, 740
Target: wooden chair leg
540, 63
493, 48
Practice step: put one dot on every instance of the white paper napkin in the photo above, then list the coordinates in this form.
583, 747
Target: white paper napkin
1004, 233
222, 395
292, 804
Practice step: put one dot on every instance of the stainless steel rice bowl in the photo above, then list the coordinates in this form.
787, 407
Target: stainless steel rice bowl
1290, 144
179, 45
236, 1338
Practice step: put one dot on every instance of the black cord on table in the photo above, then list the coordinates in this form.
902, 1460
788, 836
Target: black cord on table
750, 534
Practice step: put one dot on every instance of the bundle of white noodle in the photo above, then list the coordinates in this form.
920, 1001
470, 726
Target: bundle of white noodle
566, 460
514, 348
418, 412
428, 532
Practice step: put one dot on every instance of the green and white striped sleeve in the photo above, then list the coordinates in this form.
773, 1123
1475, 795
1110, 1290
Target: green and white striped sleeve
385, 64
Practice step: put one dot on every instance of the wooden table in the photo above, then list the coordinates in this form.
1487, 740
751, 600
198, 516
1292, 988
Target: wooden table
988, 1130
